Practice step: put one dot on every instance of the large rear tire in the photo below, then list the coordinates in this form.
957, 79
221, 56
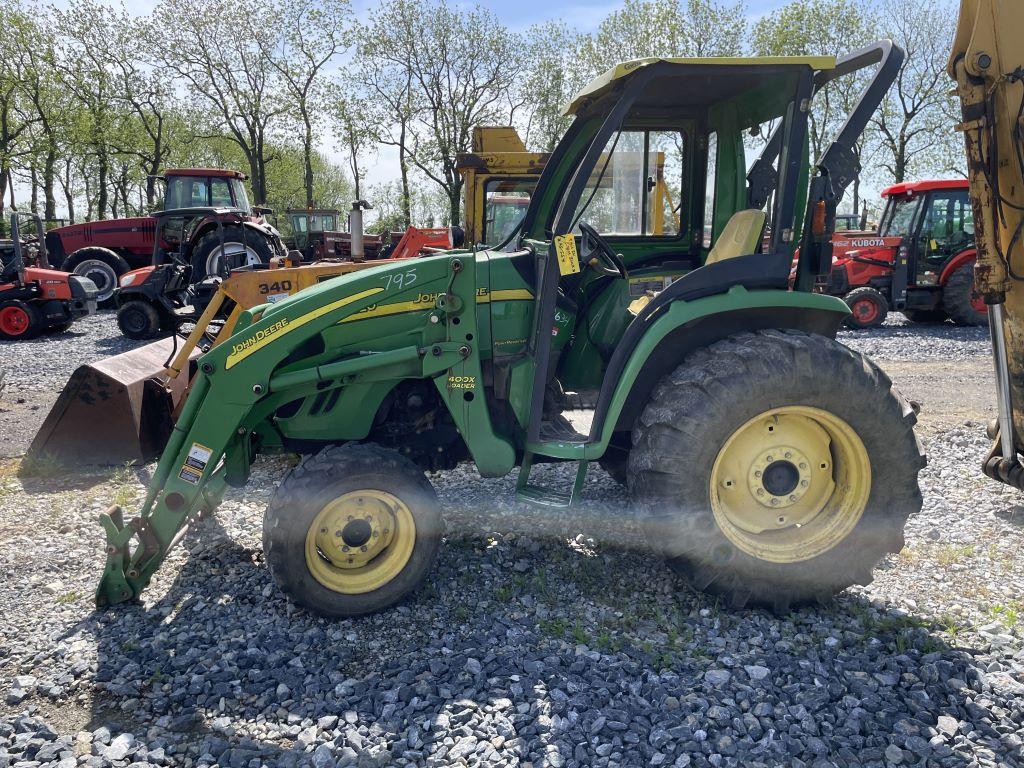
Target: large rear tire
242, 246
352, 530
102, 266
775, 468
961, 302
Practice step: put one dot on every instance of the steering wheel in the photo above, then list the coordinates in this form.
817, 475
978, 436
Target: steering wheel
597, 254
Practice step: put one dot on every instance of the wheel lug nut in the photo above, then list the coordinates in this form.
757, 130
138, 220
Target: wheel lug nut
789, 455
339, 534
760, 492
757, 473
803, 465
362, 548
774, 502
803, 483
792, 498
769, 458
345, 548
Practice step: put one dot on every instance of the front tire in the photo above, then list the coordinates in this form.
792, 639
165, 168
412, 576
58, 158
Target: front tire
961, 302
139, 320
868, 308
775, 468
102, 266
352, 530
19, 320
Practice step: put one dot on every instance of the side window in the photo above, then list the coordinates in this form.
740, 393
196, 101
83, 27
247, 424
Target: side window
948, 225
636, 187
505, 204
200, 193
710, 189
220, 193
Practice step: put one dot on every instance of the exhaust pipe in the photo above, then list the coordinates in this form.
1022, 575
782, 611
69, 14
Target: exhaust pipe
355, 228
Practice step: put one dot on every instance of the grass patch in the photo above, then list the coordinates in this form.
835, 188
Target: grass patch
955, 553
1007, 614
68, 597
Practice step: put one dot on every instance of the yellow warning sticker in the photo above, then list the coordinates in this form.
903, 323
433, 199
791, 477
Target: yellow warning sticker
568, 259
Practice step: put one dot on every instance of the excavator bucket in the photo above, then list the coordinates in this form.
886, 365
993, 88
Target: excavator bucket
116, 410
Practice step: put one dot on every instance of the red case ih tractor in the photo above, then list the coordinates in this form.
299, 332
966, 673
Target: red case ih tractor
919, 262
105, 250
34, 299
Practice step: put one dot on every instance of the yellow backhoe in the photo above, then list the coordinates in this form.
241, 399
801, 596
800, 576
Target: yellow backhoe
987, 62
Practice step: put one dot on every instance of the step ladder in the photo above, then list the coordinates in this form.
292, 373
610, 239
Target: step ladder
557, 440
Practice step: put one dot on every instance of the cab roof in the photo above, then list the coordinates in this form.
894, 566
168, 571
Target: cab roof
218, 173
743, 72
912, 187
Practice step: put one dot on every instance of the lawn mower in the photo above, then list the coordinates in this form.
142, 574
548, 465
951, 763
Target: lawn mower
768, 463
35, 300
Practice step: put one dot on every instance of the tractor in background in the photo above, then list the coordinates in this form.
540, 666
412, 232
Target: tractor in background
919, 261
105, 250
34, 299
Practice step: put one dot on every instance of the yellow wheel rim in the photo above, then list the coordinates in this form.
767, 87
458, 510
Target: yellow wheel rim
790, 484
360, 541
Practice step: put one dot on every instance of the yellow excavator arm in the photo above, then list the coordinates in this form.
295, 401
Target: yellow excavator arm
987, 63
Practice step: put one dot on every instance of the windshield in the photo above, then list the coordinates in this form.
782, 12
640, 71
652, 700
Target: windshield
899, 216
505, 204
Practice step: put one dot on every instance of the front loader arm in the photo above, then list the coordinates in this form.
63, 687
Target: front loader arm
240, 384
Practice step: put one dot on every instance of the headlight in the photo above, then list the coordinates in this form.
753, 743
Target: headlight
128, 279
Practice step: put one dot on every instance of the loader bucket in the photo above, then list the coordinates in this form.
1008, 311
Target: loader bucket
114, 410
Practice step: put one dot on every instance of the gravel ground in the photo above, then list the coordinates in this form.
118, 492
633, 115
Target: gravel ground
541, 638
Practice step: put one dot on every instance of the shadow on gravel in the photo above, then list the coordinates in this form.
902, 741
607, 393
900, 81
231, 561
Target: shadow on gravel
527, 649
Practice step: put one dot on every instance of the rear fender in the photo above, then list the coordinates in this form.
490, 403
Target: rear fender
689, 325
964, 257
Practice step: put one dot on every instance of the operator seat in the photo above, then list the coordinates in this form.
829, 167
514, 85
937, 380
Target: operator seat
740, 237
8, 265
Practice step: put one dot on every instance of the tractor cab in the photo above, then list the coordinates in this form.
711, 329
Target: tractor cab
655, 159
204, 188
310, 230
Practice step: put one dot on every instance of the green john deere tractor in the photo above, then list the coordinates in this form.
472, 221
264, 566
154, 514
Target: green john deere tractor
770, 464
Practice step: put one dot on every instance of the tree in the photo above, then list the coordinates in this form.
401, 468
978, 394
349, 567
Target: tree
555, 72
312, 34
356, 134
822, 27
666, 28
461, 66
200, 44
915, 122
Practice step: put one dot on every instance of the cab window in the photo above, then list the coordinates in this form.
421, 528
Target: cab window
187, 192
505, 204
636, 187
948, 225
220, 193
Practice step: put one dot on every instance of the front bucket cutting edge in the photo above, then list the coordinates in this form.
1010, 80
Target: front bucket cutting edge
113, 411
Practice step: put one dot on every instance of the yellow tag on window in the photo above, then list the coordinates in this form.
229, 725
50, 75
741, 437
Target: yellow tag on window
568, 259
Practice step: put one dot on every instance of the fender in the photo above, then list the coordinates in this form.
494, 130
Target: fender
964, 257
689, 325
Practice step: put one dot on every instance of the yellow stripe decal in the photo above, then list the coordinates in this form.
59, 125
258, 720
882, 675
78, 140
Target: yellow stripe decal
418, 305
274, 332
513, 294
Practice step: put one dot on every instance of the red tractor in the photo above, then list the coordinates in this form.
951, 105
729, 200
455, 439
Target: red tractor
919, 262
105, 250
34, 299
